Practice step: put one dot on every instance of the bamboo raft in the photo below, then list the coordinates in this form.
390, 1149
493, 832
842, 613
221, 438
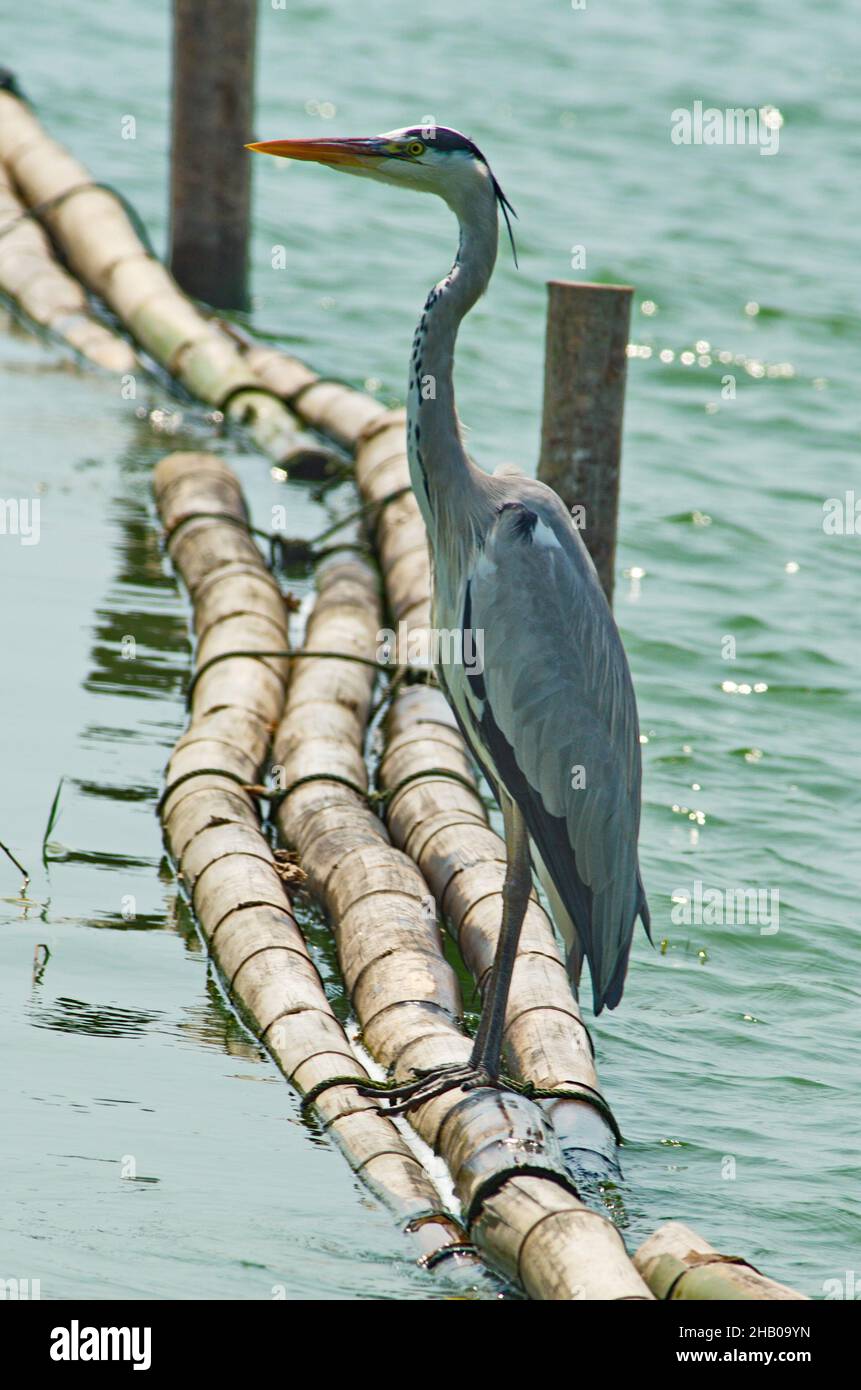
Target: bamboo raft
528, 1217
96, 236
46, 294
440, 821
520, 1204
436, 814
212, 827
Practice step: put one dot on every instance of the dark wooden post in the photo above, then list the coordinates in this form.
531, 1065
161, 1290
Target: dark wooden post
213, 113
584, 397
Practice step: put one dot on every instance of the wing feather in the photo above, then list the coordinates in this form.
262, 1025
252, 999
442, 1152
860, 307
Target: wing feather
557, 697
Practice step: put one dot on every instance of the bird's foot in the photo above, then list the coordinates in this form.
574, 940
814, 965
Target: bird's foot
428, 1084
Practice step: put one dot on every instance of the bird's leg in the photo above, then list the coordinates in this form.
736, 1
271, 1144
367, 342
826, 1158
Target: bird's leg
487, 1048
483, 1066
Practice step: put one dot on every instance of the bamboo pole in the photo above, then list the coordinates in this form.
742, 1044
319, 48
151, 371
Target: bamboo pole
46, 293
520, 1205
584, 398
212, 828
328, 406
212, 115
677, 1263
97, 238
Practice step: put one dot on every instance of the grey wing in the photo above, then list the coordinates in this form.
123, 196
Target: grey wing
556, 717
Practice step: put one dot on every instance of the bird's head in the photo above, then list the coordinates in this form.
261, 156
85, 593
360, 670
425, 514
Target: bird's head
428, 158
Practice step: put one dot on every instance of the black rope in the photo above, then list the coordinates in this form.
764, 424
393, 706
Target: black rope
311, 1096
573, 1090
200, 772
360, 512
290, 397
258, 388
391, 792
282, 551
303, 653
283, 654
291, 549
278, 794
216, 516
492, 1185
388, 696
39, 209
308, 551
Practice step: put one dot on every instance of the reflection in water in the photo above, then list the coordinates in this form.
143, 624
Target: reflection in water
209, 1022
95, 1020
100, 859
112, 793
141, 921
213, 1023
140, 648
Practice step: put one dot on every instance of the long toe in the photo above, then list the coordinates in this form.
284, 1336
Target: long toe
434, 1084
384, 1090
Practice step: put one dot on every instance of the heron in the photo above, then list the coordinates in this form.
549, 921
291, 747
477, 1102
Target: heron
549, 713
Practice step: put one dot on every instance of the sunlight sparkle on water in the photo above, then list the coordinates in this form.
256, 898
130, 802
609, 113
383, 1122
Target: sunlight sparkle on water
744, 688
772, 117
704, 355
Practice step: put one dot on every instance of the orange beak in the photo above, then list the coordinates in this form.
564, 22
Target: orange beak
342, 152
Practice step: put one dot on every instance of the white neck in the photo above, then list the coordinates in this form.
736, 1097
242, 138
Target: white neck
442, 476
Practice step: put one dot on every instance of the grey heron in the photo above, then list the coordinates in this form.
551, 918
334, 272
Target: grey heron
550, 717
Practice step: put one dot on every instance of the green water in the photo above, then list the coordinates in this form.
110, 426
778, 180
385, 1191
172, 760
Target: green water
733, 1062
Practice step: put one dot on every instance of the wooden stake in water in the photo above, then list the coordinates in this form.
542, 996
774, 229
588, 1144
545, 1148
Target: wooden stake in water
210, 187
584, 398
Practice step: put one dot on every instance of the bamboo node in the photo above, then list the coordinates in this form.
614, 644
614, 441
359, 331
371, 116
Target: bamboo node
91, 185
313, 1095
489, 1188
573, 1090
695, 1259
200, 772
429, 773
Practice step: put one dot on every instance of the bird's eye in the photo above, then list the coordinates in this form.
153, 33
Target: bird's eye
415, 147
